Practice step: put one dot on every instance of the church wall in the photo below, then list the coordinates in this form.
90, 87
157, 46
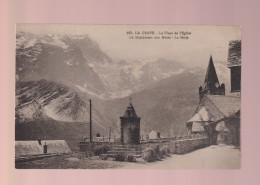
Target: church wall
230, 135
234, 131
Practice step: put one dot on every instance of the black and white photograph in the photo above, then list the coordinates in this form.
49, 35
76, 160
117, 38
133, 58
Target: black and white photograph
127, 96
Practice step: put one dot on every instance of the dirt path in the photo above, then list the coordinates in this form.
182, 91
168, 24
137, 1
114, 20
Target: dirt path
212, 157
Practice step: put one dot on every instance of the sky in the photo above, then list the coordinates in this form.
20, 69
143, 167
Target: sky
114, 40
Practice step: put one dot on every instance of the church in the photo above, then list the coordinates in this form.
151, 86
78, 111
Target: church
218, 116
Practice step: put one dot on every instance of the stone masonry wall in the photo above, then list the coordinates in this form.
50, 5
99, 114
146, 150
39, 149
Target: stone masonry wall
188, 145
181, 146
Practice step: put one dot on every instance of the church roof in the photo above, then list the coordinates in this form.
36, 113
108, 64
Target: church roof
234, 53
211, 79
217, 107
229, 106
202, 116
130, 111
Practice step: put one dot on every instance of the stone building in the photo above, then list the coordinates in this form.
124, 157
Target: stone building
217, 115
234, 64
130, 126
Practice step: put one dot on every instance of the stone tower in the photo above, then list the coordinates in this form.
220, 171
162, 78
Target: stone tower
130, 126
211, 84
234, 63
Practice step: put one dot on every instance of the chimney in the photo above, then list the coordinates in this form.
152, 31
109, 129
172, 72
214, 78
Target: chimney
45, 148
40, 141
158, 135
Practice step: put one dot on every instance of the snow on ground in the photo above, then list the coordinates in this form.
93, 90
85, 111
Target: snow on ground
212, 157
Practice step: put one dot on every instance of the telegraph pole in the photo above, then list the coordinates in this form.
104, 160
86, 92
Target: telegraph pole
90, 121
109, 134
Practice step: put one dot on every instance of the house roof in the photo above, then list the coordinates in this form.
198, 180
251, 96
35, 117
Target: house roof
25, 148
211, 78
154, 135
234, 53
130, 111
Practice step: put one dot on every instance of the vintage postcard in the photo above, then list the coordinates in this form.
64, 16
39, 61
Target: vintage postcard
127, 96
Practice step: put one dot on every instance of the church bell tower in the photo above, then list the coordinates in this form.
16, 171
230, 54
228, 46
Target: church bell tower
211, 84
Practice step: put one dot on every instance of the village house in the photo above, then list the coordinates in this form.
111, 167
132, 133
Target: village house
154, 135
39, 147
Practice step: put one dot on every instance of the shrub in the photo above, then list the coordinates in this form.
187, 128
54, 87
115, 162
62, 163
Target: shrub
152, 154
120, 157
104, 157
156, 152
165, 151
102, 149
162, 152
148, 155
130, 158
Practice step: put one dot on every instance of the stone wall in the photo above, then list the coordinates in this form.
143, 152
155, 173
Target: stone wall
88, 147
179, 146
188, 145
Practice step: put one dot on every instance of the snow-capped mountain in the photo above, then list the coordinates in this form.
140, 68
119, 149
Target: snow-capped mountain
57, 59
78, 61
124, 77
